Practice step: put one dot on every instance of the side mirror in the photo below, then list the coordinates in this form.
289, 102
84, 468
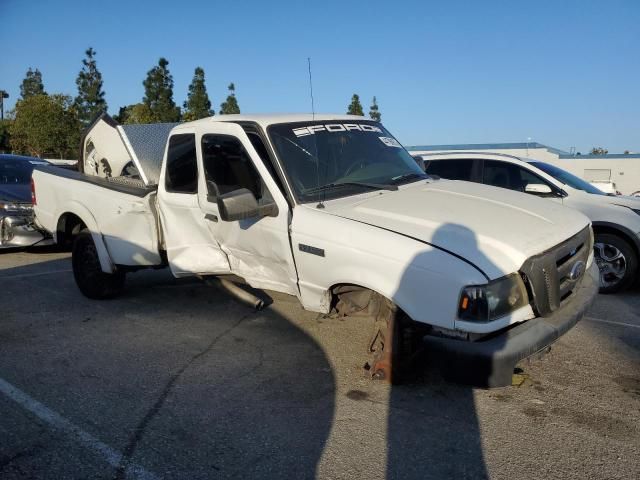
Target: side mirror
538, 188
242, 204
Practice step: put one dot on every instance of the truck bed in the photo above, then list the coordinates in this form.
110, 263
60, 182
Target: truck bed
119, 212
127, 185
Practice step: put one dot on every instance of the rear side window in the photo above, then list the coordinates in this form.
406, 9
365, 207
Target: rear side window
182, 167
459, 169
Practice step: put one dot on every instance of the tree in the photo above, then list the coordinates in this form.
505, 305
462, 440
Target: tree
599, 151
5, 137
90, 101
374, 113
123, 113
45, 125
136, 113
32, 84
355, 108
197, 104
230, 106
140, 113
158, 94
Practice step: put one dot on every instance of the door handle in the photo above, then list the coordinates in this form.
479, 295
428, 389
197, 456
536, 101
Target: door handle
211, 216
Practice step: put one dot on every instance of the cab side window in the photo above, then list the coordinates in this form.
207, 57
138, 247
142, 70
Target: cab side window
227, 167
458, 169
182, 168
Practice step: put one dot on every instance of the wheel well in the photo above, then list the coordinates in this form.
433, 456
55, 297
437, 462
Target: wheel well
619, 233
69, 225
351, 300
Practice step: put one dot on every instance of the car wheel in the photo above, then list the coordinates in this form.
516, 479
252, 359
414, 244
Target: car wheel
91, 280
636, 194
617, 262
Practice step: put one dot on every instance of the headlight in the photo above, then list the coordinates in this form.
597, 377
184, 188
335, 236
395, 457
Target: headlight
484, 303
15, 208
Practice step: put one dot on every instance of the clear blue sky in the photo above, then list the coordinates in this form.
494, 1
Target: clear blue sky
564, 73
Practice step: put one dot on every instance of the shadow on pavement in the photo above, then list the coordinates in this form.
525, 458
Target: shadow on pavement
183, 379
438, 436
177, 376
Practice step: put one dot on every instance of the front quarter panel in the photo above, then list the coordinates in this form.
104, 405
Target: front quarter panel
424, 281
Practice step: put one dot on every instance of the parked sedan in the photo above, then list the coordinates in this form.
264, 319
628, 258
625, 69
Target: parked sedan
615, 219
17, 227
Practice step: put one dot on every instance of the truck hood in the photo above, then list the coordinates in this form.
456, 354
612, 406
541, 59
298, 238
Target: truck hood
493, 228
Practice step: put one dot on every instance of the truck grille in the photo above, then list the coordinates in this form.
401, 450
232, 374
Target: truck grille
552, 276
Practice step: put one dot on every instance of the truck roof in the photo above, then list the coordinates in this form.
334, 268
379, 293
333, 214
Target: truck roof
264, 120
144, 144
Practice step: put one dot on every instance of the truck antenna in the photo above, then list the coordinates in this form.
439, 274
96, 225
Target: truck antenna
313, 117
313, 110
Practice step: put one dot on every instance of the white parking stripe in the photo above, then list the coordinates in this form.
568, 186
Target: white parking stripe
112, 456
26, 275
621, 324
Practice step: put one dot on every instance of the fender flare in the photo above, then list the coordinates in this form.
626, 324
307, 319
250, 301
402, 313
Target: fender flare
89, 220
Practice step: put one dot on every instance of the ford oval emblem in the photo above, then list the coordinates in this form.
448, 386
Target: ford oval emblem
577, 270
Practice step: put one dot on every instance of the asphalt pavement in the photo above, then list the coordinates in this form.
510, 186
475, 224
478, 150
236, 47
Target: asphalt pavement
178, 380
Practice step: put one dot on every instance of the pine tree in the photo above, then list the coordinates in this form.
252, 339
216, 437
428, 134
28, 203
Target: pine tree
32, 84
230, 106
197, 104
355, 108
90, 101
158, 94
374, 113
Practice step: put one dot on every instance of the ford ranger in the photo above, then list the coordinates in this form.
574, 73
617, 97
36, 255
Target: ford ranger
331, 209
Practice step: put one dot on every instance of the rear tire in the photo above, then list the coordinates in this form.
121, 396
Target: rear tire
617, 262
91, 280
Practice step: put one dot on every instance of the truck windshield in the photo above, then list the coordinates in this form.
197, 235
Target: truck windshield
567, 178
330, 159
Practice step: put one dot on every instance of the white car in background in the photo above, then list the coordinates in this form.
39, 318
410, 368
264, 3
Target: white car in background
615, 219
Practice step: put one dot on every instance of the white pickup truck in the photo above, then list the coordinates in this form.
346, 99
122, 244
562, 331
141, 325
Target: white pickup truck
331, 209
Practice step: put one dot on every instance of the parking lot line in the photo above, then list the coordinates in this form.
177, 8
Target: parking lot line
112, 456
621, 324
38, 274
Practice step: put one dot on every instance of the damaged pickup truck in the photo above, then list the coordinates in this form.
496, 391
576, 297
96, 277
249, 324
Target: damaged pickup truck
331, 209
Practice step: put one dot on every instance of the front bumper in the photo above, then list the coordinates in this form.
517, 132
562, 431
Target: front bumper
490, 363
20, 231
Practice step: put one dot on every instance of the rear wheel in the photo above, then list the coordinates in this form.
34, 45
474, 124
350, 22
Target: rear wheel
617, 262
91, 280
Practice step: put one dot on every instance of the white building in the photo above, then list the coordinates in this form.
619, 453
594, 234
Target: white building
623, 170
